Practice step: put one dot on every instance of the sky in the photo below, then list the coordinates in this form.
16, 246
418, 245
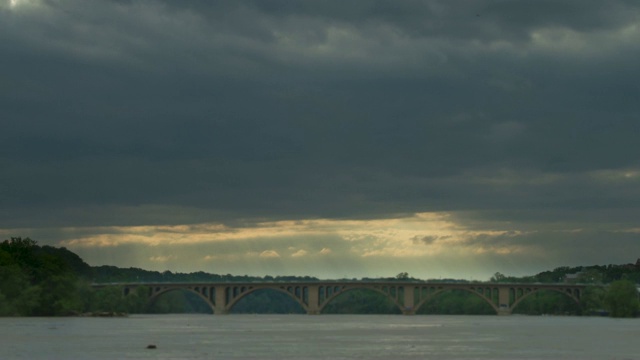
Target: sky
446, 139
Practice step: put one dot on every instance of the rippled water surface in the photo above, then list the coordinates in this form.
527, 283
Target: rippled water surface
320, 337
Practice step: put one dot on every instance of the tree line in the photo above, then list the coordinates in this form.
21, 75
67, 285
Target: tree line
48, 281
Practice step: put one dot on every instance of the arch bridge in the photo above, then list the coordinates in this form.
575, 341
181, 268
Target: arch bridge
408, 296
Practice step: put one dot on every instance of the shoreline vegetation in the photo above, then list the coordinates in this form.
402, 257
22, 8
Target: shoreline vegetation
48, 281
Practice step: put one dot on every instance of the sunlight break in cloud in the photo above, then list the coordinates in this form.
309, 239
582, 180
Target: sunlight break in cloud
15, 3
269, 254
422, 234
162, 258
616, 175
300, 253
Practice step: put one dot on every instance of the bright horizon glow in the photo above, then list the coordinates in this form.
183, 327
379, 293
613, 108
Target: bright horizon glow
422, 234
427, 245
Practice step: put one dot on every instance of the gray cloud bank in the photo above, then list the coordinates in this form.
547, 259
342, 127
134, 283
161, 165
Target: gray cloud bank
509, 114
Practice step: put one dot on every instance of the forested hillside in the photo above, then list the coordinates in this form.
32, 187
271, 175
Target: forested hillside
38, 280
46, 281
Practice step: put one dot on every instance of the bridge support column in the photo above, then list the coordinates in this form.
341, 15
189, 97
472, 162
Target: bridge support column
504, 305
408, 301
221, 301
313, 307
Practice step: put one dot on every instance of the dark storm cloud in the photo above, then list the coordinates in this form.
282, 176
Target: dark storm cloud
462, 19
214, 111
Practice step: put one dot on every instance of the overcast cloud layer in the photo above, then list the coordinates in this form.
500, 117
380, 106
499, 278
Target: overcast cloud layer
327, 138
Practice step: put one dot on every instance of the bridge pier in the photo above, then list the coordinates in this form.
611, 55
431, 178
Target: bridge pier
313, 300
220, 304
504, 301
407, 311
220, 311
408, 308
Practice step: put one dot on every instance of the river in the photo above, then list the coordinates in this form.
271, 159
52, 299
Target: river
320, 337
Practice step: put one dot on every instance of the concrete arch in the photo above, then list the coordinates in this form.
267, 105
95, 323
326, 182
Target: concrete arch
472, 291
329, 299
314, 296
155, 295
240, 296
526, 294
